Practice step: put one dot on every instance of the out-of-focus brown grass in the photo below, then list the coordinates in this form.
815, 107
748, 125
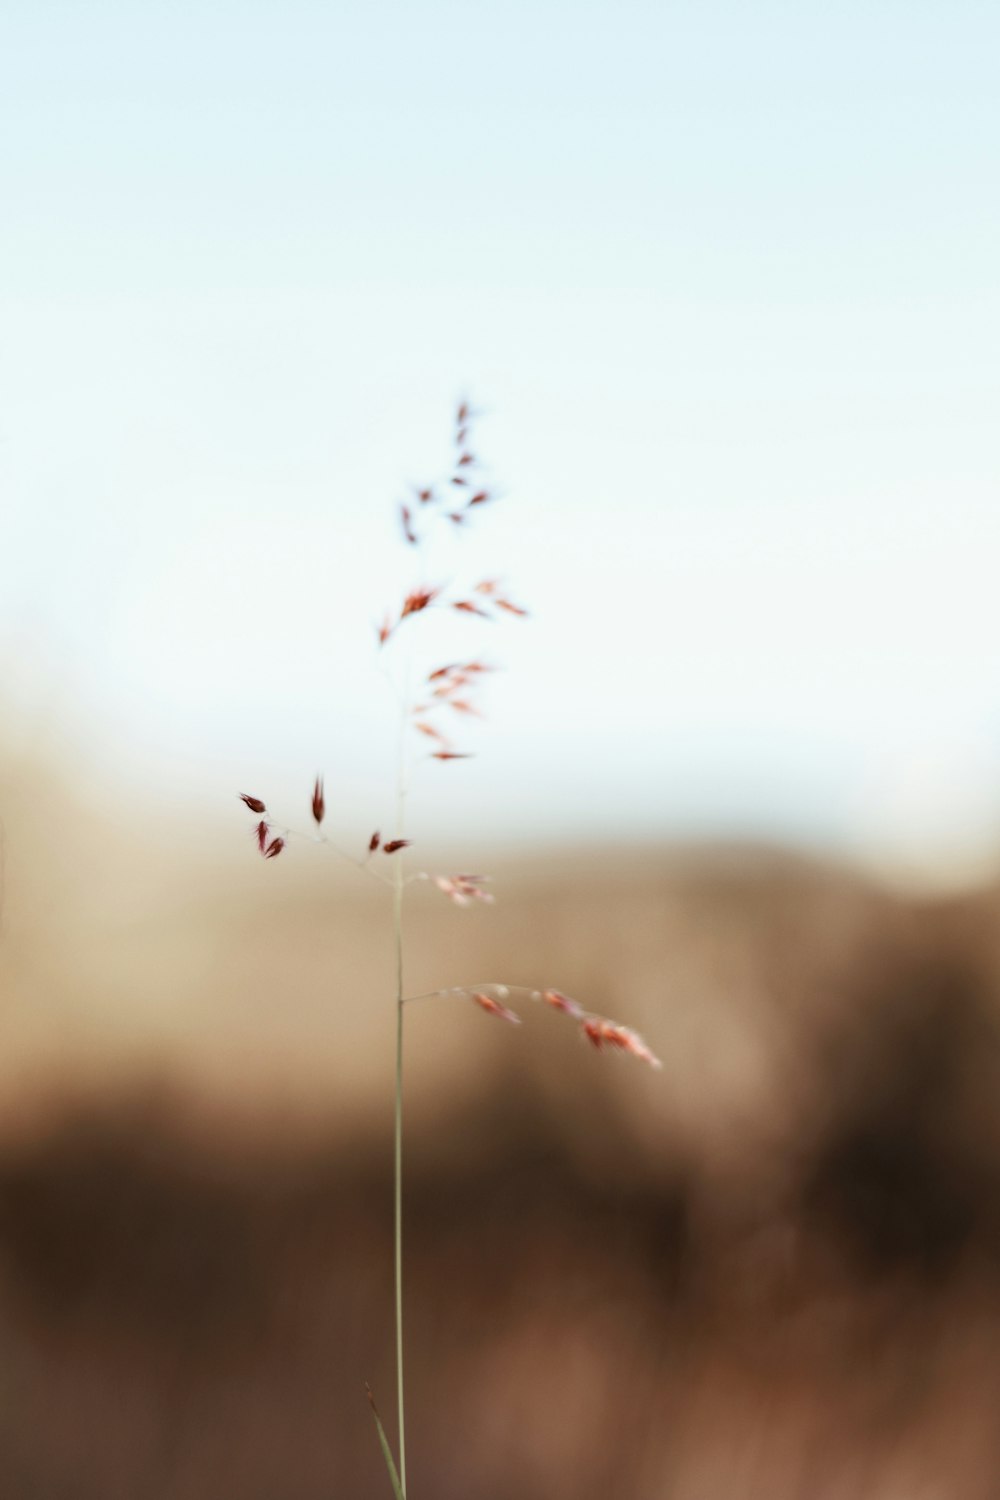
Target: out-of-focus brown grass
770, 1270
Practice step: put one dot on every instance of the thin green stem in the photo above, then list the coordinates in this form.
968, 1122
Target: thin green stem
398, 1172
397, 909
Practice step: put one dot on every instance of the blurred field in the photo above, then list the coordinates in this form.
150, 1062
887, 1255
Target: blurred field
771, 1270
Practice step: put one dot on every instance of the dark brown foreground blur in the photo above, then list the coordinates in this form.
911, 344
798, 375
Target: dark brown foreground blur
771, 1270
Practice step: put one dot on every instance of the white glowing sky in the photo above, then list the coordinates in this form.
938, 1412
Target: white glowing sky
724, 278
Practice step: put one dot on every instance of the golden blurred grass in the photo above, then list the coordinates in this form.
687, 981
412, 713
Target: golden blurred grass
769, 1270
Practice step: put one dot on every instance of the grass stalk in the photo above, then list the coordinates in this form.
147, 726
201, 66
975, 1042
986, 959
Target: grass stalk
398, 1169
442, 692
397, 915
390, 1462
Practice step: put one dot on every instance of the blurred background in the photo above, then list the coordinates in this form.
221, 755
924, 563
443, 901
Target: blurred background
720, 283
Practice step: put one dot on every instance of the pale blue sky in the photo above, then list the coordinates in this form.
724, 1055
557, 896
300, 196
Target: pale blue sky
723, 276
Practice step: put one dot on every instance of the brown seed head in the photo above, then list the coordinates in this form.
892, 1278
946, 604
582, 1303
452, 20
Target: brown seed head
407, 523
601, 1033
418, 599
563, 1003
260, 833
592, 1031
274, 848
374, 842
494, 1008
394, 845
254, 803
318, 804
430, 731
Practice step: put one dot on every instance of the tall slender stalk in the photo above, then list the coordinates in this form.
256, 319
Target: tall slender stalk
397, 915
398, 1169
445, 690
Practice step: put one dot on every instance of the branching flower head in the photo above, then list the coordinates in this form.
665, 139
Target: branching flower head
447, 699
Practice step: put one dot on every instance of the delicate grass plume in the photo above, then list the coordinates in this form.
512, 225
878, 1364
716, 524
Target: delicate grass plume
433, 724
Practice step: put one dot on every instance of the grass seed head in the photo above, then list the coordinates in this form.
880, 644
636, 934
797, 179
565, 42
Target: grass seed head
318, 803
418, 599
563, 1003
494, 1008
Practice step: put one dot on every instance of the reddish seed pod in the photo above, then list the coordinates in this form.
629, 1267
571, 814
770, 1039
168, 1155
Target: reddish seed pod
464, 459
602, 1033
254, 803
467, 606
418, 599
318, 804
451, 754
407, 523
462, 415
430, 731
563, 1003
260, 833
459, 480
494, 1008
274, 848
480, 498
512, 609
374, 842
592, 1031
394, 845
453, 684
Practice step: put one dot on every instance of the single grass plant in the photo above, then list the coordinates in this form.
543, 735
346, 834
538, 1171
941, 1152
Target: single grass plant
432, 705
